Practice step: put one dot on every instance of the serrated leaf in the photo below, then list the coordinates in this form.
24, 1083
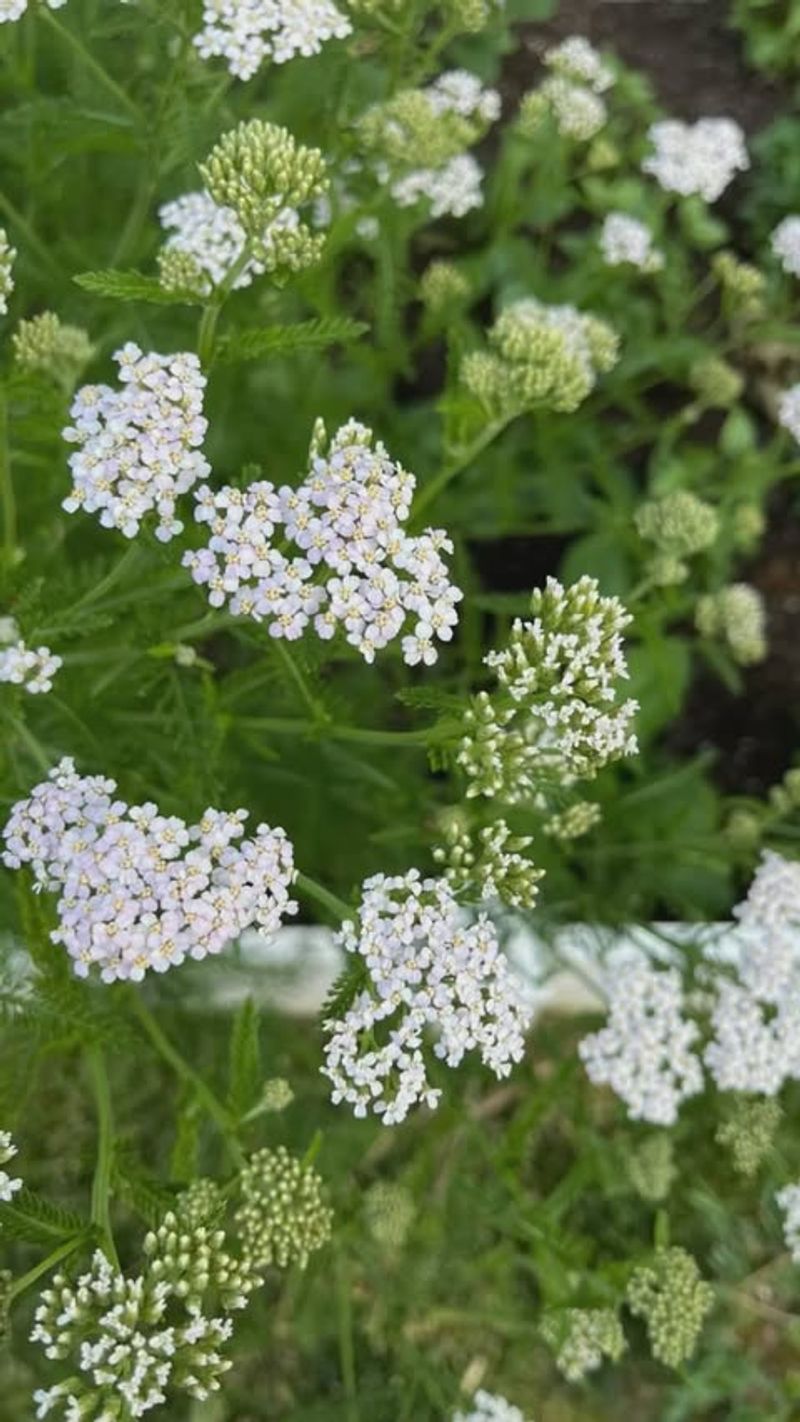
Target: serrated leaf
430, 698
38, 1221
245, 1077
344, 991
134, 286
144, 1193
279, 340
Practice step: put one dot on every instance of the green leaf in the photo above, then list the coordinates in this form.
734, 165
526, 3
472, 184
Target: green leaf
134, 286
143, 1192
245, 1076
278, 340
32, 1218
659, 675
344, 991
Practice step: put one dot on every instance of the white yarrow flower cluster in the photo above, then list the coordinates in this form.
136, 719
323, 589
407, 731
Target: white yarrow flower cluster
430, 973
645, 1051
702, 157
786, 244
355, 569
454, 187
756, 1018
624, 241
30, 667
489, 1407
7, 253
577, 59
138, 890
246, 33
8, 1184
789, 411
213, 237
15, 9
789, 1201
139, 447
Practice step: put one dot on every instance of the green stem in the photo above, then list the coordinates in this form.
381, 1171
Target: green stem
90, 63
37, 751
347, 1357
285, 725
185, 1073
315, 707
320, 895
7, 499
101, 1185
207, 329
44, 1266
458, 464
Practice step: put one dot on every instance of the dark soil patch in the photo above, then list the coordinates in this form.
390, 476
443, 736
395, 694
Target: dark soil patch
687, 48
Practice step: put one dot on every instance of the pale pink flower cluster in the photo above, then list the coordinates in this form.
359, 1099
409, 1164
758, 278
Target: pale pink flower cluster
246, 33
139, 447
138, 890
352, 568
431, 973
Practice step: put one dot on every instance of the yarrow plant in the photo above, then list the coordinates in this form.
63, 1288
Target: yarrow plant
458, 1068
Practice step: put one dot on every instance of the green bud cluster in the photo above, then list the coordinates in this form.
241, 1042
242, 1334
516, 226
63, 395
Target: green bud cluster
785, 797
540, 356
742, 284
410, 131
554, 716
749, 1132
575, 821
389, 1213
577, 112
191, 1259
200, 1202
581, 1338
736, 615
45, 346
494, 868
678, 524
743, 829
651, 1167
442, 287
747, 525
673, 1299
276, 1095
179, 271
716, 383
260, 170
282, 1218
464, 16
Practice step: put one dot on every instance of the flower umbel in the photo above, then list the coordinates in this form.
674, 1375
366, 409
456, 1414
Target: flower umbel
428, 971
703, 157
673, 1299
138, 890
246, 33
554, 715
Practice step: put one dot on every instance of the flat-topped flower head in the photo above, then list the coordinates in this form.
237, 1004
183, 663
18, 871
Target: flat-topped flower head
437, 983
46, 346
646, 1051
139, 447
575, 58
673, 1299
418, 140
137, 890
282, 1218
250, 33
577, 111
259, 171
737, 616
7, 255
32, 668
625, 241
702, 157
789, 411
489, 1407
14, 9
9, 1185
581, 1338
213, 239
789, 1201
540, 356
785, 243
331, 553
554, 715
